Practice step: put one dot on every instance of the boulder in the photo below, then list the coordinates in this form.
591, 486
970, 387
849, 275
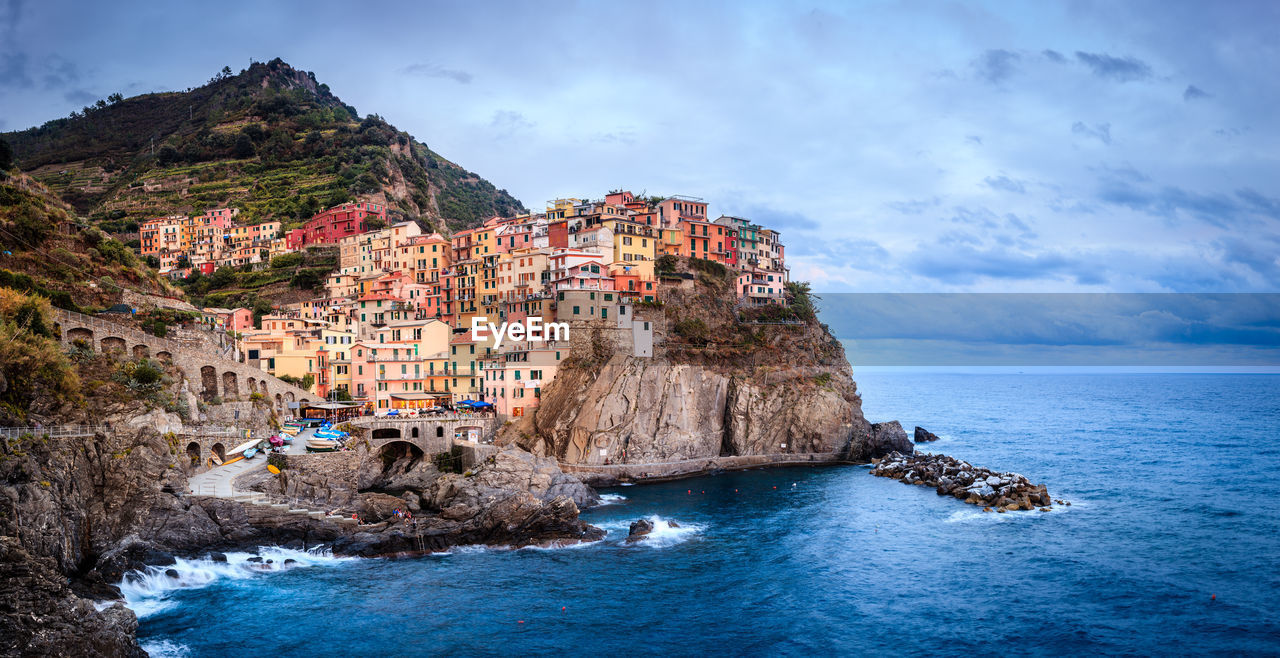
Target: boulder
923, 435
639, 529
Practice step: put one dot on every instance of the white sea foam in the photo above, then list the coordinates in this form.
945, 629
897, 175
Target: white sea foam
166, 649
146, 592
611, 499
663, 534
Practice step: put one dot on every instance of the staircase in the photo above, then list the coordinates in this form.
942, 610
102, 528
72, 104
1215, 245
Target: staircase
220, 483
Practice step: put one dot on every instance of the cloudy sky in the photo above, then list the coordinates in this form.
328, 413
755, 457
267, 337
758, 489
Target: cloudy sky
914, 146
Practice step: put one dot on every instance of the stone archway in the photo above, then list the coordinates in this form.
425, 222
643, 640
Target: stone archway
80, 333
219, 451
398, 458
141, 351
230, 386
208, 383
251, 385
279, 402
164, 355
288, 396
414, 432
386, 433
439, 431
193, 453
113, 344
262, 386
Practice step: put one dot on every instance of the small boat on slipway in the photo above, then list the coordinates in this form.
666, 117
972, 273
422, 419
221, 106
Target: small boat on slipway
323, 445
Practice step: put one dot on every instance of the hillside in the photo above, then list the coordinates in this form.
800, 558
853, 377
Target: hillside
45, 249
271, 141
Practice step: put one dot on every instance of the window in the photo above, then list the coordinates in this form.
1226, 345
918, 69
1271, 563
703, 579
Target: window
575, 310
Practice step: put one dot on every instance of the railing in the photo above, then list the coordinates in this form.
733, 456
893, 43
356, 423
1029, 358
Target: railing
64, 431
53, 431
123, 330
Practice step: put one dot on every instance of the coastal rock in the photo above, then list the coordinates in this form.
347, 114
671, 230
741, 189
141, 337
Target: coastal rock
923, 435
639, 529
1003, 492
40, 616
887, 438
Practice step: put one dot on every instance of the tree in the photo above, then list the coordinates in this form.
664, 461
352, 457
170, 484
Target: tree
801, 299
167, 155
6, 156
308, 279
244, 146
222, 277
29, 226
115, 98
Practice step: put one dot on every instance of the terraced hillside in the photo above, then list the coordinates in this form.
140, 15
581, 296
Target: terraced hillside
45, 249
270, 140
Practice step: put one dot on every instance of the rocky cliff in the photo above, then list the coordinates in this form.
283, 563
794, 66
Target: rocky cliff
722, 383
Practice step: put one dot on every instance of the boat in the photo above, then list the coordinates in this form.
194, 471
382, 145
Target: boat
248, 454
322, 445
232, 461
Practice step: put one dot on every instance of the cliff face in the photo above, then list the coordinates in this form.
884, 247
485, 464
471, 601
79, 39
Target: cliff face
654, 410
720, 384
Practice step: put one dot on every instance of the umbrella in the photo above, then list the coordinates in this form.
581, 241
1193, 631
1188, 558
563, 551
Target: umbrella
482, 405
393, 412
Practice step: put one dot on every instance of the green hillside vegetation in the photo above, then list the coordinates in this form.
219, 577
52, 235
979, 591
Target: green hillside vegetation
46, 250
32, 363
289, 277
271, 141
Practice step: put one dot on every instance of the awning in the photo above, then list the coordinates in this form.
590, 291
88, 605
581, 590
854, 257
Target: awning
333, 405
412, 396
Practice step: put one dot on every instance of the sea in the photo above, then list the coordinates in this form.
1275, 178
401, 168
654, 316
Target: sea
1171, 545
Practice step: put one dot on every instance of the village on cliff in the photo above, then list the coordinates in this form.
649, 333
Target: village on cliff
392, 332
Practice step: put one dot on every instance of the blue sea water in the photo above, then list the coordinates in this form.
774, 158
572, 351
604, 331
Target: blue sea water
1171, 545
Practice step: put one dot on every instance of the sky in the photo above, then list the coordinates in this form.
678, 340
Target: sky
898, 146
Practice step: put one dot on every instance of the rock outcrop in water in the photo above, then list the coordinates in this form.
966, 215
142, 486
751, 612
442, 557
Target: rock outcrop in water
639, 529
923, 435
1003, 492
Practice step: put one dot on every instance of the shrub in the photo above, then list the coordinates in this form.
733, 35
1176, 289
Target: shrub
286, 260
692, 329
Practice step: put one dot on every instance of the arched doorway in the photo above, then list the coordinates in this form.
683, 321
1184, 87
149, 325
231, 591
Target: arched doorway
141, 351
193, 453
80, 334
208, 383
251, 385
219, 451
230, 387
414, 433
262, 387
164, 356
439, 431
113, 344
